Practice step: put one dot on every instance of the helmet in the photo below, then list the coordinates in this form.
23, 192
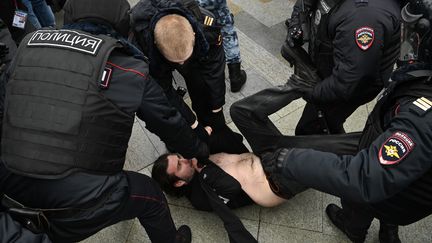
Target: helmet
416, 33
112, 12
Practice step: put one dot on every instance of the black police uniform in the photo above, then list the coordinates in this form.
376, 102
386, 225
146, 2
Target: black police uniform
204, 72
354, 45
66, 129
12, 231
392, 171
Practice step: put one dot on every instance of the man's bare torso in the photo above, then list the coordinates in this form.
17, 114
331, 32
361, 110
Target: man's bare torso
247, 170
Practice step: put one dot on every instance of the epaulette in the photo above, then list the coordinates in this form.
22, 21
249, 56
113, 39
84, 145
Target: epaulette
421, 106
208, 21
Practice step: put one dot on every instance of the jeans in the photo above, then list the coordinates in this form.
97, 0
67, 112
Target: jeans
39, 13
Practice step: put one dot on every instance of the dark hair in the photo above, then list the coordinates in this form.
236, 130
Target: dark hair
166, 181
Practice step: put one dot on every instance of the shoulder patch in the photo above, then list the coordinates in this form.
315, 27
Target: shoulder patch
66, 39
395, 149
364, 37
421, 106
208, 20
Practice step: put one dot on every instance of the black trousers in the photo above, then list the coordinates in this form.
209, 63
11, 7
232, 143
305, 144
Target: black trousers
330, 121
109, 200
144, 201
251, 117
195, 74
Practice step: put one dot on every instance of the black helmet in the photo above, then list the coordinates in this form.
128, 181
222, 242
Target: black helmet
416, 33
112, 12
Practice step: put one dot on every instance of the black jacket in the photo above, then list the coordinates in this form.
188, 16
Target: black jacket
207, 51
349, 73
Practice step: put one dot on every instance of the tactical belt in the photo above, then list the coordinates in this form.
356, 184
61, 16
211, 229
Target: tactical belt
37, 219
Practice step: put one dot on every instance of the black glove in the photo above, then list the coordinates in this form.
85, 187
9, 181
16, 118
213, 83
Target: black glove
202, 133
216, 120
273, 163
295, 32
302, 85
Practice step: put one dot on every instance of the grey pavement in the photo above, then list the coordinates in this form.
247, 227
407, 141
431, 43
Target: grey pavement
260, 26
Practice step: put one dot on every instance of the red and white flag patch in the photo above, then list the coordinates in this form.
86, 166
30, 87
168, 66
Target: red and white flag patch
395, 149
364, 37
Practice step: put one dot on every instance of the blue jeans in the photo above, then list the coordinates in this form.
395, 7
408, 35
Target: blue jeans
39, 13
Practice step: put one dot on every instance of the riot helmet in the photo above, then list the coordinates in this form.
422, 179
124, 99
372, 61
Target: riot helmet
114, 13
416, 34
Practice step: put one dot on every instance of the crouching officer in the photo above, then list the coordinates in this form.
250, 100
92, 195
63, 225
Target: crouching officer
352, 49
390, 178
185, 38
70, 104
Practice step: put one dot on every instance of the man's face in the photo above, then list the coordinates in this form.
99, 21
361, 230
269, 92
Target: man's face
180, 167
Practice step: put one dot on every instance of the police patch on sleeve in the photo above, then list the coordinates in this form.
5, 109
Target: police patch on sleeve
67, 39
364, 37
395, 149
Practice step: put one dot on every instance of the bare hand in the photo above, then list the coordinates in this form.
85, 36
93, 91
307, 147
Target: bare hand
209, 130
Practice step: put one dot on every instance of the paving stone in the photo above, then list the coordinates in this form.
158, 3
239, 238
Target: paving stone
304, 211
267, 12
274, 70
357, 120
206, 227
270, 233
141, 151
288, 122
117, 233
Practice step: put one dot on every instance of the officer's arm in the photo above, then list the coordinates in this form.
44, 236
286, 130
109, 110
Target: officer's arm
363, 178
165, 121
213, 70
355, 69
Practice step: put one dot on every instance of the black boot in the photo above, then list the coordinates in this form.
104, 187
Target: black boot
388, 233
184, 234
336, 216
237, 76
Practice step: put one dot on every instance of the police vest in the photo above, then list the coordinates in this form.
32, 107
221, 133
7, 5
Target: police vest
415, 201
56, 120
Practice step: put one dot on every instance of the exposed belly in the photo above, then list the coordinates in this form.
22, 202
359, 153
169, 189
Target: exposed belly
248, 171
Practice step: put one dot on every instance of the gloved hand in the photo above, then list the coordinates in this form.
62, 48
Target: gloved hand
302, 85
202, 133
273, 164
295, 32
216, 120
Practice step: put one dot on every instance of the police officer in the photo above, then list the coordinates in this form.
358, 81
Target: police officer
225, 18
188, 40
390, 178
12, 231
70, 103
353, 47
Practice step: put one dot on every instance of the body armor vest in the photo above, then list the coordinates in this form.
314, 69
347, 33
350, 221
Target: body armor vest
56, 119
415, 201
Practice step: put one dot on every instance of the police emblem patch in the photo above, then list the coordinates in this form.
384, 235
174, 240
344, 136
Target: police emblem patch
364, 37
395, 149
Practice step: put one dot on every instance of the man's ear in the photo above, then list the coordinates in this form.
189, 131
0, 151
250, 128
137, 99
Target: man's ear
179, 183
